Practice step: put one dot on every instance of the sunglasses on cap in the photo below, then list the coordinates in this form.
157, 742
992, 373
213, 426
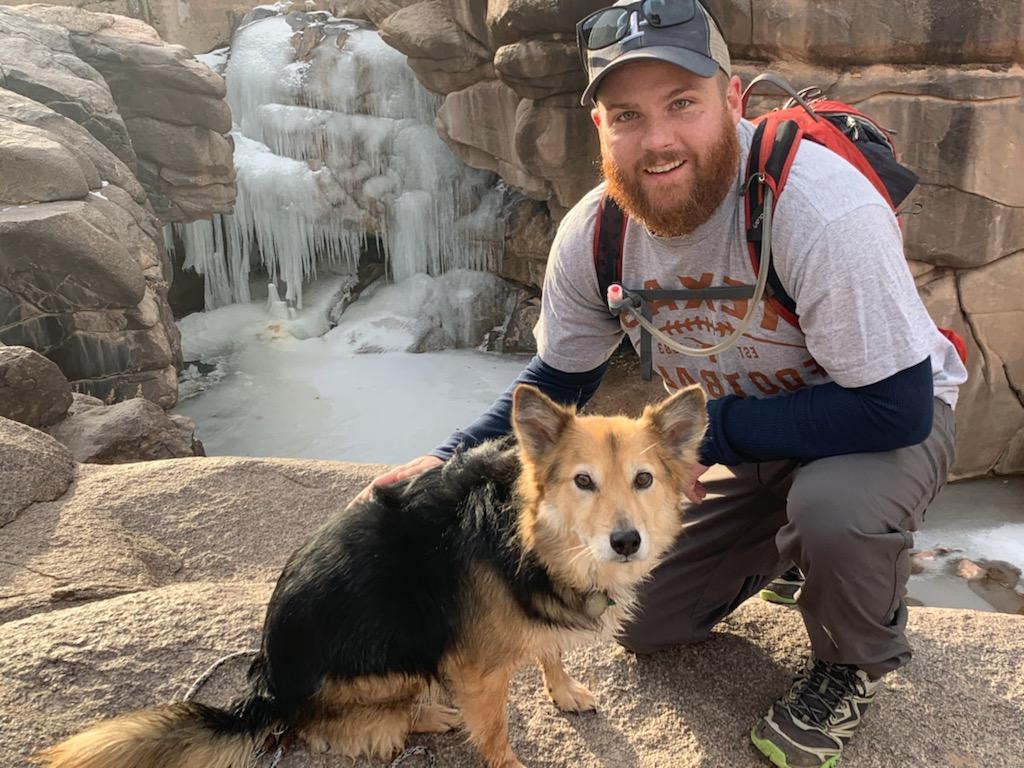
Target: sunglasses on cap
608, 26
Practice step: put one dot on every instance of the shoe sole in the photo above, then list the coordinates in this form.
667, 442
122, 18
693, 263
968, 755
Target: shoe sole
770, 596
777, 756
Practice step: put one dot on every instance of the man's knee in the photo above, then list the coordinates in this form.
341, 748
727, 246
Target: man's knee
826, 521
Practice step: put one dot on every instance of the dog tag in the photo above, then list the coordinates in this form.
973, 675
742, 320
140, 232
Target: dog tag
596, 604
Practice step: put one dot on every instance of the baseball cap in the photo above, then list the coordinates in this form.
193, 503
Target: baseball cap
680, 32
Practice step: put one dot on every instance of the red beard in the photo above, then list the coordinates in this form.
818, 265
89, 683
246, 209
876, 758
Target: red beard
676, 212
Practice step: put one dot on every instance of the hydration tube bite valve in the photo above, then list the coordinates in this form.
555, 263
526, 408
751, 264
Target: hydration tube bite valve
619, 299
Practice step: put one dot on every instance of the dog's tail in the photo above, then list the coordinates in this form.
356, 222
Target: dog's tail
177, 736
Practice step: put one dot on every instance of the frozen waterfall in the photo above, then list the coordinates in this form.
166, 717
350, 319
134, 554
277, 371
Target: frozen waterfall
335, 146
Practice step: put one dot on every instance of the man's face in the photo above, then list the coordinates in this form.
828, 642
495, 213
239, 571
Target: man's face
669, 150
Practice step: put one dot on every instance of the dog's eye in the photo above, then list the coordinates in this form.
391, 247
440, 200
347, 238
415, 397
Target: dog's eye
643, 479
584, 481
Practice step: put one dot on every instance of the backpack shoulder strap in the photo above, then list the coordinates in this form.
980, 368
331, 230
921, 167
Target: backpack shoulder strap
772, 152
609, 239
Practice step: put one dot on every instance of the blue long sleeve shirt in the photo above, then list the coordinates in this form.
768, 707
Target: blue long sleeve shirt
826, 420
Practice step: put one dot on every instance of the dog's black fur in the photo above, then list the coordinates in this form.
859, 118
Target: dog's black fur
378, 588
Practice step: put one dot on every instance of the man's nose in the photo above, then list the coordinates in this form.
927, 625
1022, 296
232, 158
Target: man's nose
657, 136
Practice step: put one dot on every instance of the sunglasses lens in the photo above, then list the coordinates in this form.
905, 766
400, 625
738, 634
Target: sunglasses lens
605, 28
665, 13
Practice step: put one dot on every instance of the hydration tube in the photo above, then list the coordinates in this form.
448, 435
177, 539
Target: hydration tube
621, 299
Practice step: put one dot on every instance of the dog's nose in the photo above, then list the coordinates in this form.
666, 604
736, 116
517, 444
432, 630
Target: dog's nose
625, 543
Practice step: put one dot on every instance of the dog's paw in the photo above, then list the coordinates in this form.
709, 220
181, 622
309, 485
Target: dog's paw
573, 697
435, 718
317, 745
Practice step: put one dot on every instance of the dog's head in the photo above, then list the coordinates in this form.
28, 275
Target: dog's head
604, 494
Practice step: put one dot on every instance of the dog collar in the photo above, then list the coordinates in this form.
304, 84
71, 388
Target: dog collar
596, 603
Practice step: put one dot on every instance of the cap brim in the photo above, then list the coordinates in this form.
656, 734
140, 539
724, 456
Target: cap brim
691, 61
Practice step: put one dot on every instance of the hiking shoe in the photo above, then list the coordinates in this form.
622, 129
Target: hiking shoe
784, 590
810, 725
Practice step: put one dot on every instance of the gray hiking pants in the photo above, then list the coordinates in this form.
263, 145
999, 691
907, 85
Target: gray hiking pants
845, 520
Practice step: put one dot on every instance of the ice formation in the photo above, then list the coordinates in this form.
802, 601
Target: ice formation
334, 148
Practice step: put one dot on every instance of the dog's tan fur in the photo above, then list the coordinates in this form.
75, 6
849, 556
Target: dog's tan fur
165, 738
563, 526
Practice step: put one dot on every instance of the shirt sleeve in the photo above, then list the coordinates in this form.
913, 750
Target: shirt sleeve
575, 332
826, 420
859, 309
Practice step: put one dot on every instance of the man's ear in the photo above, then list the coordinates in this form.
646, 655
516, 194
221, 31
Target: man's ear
538, 421
680, 420
734, 98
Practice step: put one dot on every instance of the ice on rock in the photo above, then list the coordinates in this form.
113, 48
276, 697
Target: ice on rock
332, 151
217, 59
255, 75
423, 313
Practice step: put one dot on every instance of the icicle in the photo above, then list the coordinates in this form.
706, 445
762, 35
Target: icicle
413, 245
204, 254
276, 307
329, 152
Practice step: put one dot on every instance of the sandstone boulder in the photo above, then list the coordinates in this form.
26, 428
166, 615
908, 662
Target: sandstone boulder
129, 431
39, 63
172, 106
36, 168
82, 282
33, 391
989, 415
131, 527
528, 234
33, 467
862, 33
511, 20
83, 270
95, 160
445, 57
538, 68
64, 256
479, 123
199, 25
81, 403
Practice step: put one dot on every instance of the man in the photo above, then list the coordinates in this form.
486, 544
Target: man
837, 434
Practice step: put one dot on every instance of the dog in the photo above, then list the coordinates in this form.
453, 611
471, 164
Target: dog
513, 551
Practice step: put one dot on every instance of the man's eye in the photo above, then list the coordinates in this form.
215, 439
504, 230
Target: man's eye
681, 103
625, 117
584, 481
643, 479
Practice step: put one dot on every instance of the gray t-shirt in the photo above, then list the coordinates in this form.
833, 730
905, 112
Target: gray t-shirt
838, 251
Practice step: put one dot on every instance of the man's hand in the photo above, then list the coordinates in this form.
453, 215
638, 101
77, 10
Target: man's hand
413, 468
693, 489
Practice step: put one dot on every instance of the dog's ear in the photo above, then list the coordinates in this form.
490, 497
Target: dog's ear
680, 420
538, 420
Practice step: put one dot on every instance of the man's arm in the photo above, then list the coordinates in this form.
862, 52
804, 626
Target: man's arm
827, 420
567, 388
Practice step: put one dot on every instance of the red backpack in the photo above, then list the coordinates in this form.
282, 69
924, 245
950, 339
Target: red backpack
833, 124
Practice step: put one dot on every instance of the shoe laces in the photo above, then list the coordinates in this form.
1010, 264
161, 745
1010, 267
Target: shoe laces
817, 694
